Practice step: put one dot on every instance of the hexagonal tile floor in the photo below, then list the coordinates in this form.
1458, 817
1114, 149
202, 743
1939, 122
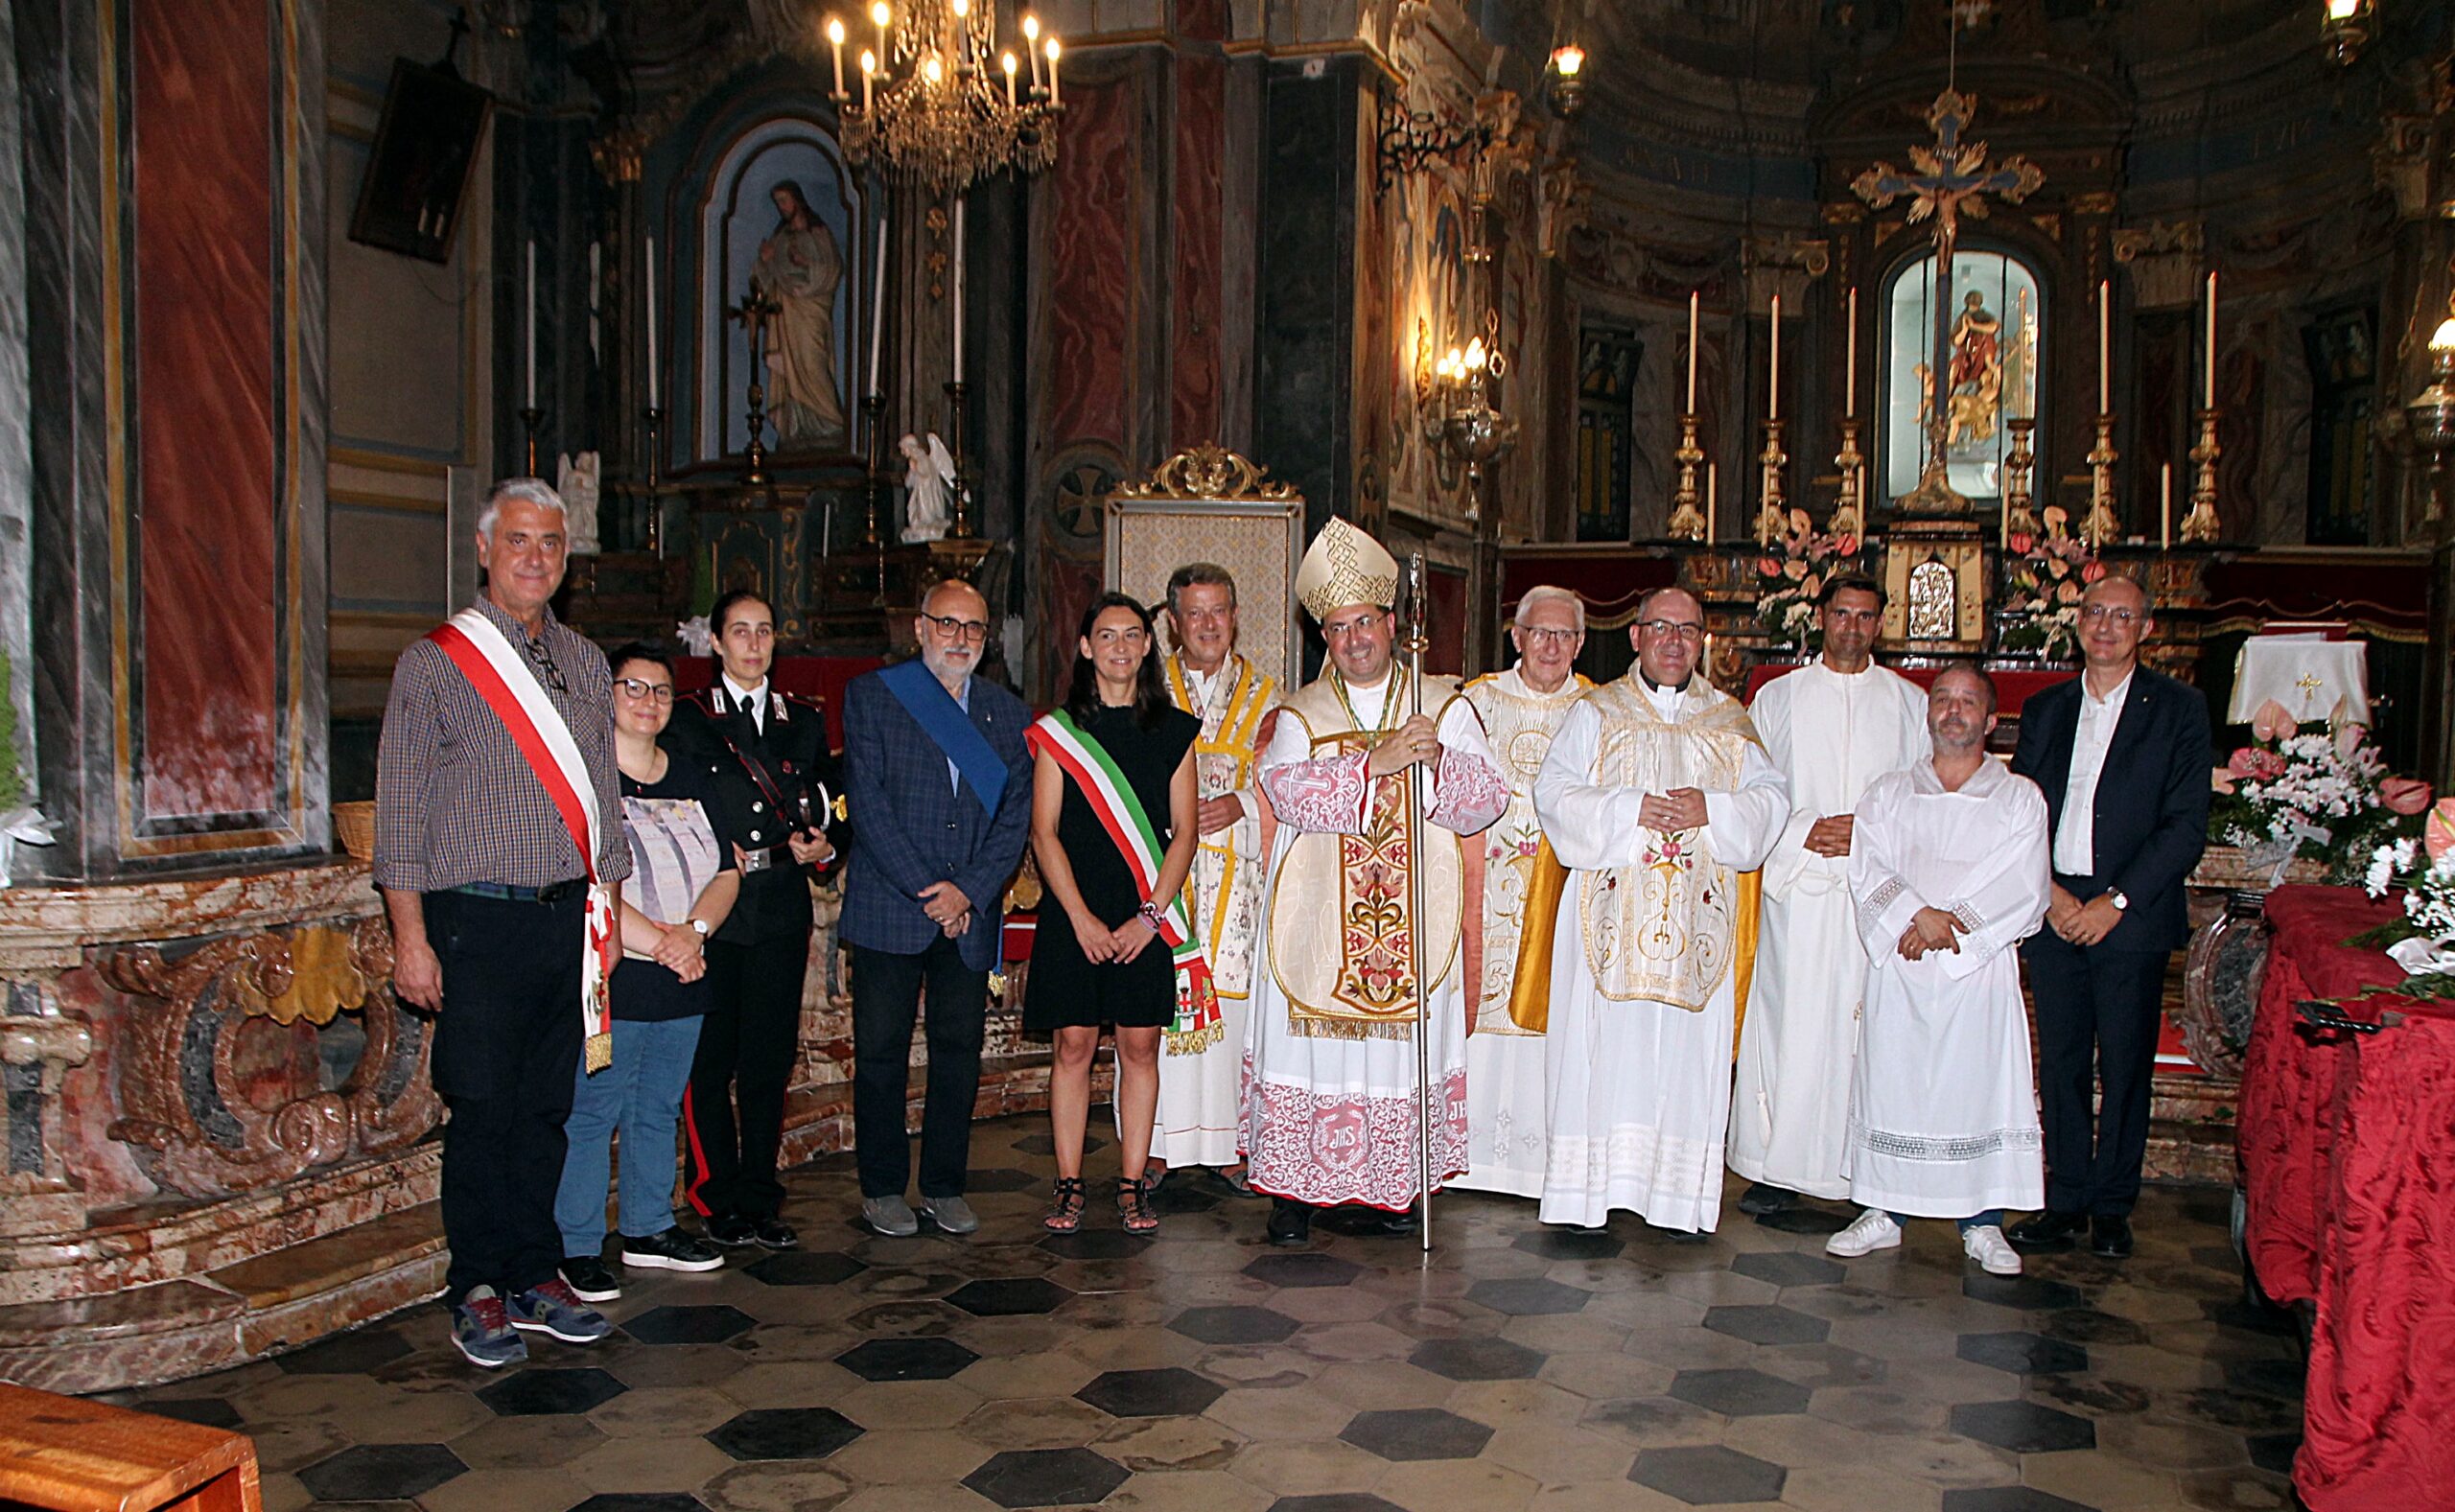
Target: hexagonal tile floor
1517, 1366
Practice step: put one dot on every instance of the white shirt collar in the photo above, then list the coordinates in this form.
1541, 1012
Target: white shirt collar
755, 697
2116, 695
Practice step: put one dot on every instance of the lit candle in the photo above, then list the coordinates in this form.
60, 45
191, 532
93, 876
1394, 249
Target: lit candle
1053, 97
880, 16
1030, 46
532, 323
959, 202
1713, 496
1850, 383
2166, 507
651, 285
877, 307
1692, 352
835, 45
869, 75
2210, 379
1007, 62
1774, 378
2105, 346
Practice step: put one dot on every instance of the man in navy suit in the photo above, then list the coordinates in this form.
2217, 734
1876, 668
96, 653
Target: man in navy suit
2122, 756
934, 764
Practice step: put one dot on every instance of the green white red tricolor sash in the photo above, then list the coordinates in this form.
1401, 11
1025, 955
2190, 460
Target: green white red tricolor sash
1056, 735
505, 679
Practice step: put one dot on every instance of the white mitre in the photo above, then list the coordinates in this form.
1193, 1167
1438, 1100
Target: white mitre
1343, 566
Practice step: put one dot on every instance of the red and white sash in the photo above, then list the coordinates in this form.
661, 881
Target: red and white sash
508, 683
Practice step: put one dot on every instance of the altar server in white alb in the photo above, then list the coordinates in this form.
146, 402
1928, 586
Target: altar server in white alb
1522, 708
1658, 795
1831, 727
1948, 868
1330, 1107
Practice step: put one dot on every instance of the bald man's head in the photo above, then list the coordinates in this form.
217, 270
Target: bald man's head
2114, 619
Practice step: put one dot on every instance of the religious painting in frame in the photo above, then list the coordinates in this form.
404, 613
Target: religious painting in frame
1991, 362
419, 173
1210, 505
1935, 591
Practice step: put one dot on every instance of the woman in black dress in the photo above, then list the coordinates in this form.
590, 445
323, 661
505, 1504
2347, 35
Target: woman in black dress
1098, 959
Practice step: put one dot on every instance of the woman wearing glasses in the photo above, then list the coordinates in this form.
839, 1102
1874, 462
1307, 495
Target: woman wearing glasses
683, 884
1114, 794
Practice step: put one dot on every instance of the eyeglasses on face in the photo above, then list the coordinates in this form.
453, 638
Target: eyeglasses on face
1684, 629
1345, 628
1545, 635
2110, 614
640, 687
954, 629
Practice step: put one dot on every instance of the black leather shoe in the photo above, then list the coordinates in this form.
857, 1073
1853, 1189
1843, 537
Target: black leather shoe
1764, 1198
774, 1233
2047, 1233
2110, 1236
733, 1231
1291, 1223
1381, 1222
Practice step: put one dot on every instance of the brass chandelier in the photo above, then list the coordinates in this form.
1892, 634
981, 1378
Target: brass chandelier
939, 105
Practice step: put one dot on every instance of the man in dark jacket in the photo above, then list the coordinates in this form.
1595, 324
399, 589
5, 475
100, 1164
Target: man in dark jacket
2123, 755
778, 792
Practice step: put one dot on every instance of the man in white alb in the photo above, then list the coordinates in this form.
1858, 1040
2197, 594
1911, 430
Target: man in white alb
1948, 870
1330, 1109
1657, 794
1831, 727
1522, 709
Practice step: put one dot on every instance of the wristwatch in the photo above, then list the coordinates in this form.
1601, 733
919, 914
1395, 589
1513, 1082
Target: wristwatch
2118, 898
698, 925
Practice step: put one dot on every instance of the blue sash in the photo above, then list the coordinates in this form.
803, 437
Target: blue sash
943, 721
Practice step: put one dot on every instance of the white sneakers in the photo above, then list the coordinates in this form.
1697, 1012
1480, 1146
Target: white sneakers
1993, 1253
1873, 1230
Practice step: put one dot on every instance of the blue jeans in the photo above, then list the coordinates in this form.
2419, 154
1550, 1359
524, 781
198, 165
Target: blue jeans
641, 1094
1992, 1216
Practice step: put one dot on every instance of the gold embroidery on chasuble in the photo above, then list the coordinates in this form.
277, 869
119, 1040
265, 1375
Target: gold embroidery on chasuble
1223, 893
1341, 940
1520, 726
1664, 930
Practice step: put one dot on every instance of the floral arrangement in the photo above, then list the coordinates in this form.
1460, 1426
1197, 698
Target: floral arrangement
2043, 581
1786, 605
2424, 940
2324, 796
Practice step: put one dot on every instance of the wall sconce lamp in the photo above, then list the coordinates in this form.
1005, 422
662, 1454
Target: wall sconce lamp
1568, 78
2347, 28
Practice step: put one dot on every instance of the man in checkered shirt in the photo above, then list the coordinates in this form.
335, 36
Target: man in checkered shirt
487, 893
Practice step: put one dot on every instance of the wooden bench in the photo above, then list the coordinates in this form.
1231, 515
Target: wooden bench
68, 1455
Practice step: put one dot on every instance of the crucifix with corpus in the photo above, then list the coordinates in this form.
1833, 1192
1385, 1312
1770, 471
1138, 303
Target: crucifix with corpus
1948, 180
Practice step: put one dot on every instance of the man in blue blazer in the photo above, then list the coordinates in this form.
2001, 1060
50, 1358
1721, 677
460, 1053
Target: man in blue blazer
934, 764
2123, 755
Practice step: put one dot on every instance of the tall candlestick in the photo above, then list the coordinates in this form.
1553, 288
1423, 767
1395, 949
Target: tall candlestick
1712, 496
2105, 346
1030, 46
836, 46
1850, 388
651, 286
2166, 507
1774, 386
533, 324
1692, 352
877, 307
959, 202
2208, 399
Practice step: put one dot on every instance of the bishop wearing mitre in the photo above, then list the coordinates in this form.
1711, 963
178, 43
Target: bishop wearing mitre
1331, 1105
1656, 794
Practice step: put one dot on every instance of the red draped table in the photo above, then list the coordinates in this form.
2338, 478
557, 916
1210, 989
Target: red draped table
2347, 1143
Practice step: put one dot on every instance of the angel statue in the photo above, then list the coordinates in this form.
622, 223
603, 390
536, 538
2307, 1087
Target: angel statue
928, 488
576, 480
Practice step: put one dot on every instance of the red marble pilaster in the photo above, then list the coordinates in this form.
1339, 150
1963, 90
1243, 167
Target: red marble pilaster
1098, 180
1194, 351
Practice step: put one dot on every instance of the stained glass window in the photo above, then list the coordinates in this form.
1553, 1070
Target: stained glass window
1991, 369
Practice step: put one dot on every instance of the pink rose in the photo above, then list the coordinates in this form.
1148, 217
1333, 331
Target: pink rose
2092, 573
2437, 831
2256, 763
2270, 722
2405, 794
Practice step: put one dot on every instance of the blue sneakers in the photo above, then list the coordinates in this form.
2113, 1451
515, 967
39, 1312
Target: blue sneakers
556, 1310
482, 1331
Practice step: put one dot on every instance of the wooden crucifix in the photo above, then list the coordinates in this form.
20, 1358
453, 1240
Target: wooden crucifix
1947, 180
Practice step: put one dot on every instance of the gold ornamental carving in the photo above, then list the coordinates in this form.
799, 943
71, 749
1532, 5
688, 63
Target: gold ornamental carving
1208, 472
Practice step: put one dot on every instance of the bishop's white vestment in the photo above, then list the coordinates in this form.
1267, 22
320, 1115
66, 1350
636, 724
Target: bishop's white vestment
1829, 733
1330, 1097
1943, 1116
1201, 1082
1644, 996
1505, 1136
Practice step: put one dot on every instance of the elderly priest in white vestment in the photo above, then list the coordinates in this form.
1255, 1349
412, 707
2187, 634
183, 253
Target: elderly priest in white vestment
1831, 727
1948, 868
1330, 1106
1656, 794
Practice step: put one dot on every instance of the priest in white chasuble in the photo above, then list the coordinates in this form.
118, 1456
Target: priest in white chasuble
1330, 1106
1200, 1076
1522, 708
1658, 795
1949, 871
1831, 727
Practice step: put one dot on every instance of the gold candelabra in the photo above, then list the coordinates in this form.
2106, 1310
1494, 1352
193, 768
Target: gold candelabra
2203, 524
1850, 504
1687, 519
932, 108
2019, 463
1773, 519
2101, 525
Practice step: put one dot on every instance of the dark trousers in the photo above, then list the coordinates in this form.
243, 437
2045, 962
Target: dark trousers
735, 1108
2097, 1017
506, 1049
886, 994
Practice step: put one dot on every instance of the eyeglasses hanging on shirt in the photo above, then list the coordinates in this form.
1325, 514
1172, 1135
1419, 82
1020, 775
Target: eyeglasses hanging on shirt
546, 671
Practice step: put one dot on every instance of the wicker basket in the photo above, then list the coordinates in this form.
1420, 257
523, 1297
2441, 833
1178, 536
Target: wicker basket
353, 826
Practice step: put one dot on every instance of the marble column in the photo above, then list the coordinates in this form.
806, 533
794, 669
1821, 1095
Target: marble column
1305, 310
16, 468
